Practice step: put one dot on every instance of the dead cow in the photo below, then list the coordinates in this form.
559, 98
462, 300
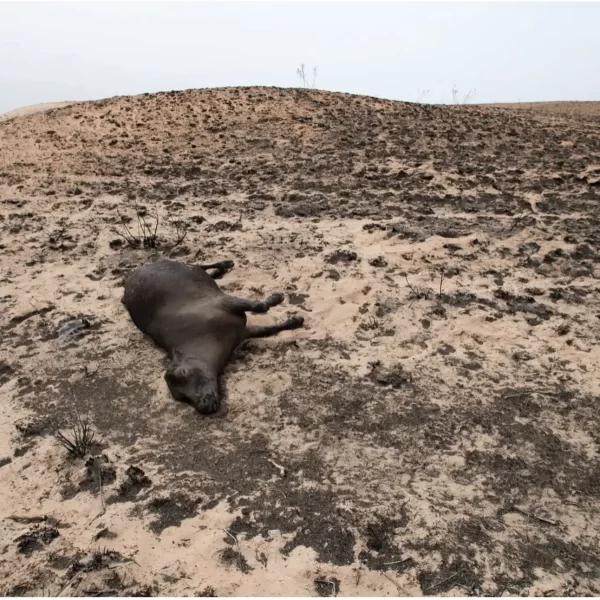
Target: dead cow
182, 309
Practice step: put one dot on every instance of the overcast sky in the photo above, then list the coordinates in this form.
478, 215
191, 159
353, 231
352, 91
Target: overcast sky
508, 52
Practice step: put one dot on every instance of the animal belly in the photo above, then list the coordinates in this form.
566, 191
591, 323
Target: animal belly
210, 335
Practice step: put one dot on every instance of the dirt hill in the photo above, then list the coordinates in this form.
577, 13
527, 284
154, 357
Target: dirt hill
432, 430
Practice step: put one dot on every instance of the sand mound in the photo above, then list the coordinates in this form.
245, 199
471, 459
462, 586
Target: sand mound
432, 430
33, 109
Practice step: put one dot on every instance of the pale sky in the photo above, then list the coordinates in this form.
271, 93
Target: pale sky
508, 52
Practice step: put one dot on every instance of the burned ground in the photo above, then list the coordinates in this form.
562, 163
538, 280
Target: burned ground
431, 430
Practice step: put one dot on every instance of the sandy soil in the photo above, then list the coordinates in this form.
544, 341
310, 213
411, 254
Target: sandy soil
433, 429
571, 109
33, 109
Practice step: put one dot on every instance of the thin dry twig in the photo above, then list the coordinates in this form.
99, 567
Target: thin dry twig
157, 220
130, 238
143, 227
231, 536
435, 585
390, 579
31, 519
181, 229
100, 490
147, 236
303, 76
526, 393
421, 95
237, 544
64, 587
127, 239
533, 516
416, 293
466, 98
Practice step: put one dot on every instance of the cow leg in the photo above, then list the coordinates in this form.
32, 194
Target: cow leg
220, 268
239, 305
260, 331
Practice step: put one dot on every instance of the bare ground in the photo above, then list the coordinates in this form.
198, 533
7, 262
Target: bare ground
432, 430
33, 109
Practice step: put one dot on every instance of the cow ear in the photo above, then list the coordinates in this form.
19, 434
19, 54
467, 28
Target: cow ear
171, 373
176, 373
175, 356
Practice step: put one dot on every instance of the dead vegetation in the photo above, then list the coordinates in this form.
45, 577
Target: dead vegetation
146, 232
78, 440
